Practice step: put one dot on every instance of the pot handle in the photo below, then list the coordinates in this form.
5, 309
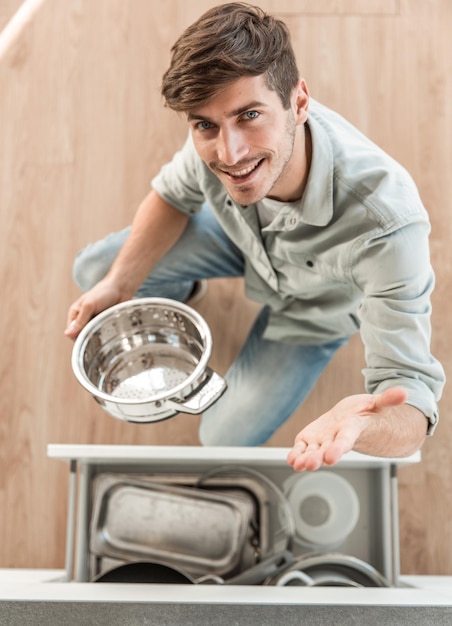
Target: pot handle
212, 387
268, 567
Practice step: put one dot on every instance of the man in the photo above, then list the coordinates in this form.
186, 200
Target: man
328, 231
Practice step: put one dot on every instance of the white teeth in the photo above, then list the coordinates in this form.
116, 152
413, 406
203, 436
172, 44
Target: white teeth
244, 172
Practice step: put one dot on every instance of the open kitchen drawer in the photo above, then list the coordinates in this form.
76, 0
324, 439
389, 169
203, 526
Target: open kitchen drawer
214, 513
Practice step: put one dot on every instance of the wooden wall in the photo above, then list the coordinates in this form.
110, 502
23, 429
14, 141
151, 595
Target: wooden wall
82, 131
7, 9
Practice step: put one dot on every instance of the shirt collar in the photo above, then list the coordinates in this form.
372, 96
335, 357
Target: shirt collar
316, 205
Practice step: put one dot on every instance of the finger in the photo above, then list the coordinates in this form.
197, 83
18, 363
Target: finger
301, 446
307, 455
337, 449
72, 313
391, 397
329, 452
302, 437
78, 318
298, 449
310, 460
72, 330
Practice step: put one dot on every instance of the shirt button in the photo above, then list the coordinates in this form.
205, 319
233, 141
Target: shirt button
310, 263
229, 202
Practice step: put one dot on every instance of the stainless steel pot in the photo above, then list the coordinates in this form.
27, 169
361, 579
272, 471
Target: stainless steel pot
145, 360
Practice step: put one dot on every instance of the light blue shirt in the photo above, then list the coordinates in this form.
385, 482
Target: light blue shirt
352, 254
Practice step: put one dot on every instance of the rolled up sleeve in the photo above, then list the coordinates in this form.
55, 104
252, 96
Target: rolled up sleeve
396, 277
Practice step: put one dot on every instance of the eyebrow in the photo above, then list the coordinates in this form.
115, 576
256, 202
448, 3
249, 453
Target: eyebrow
247, 107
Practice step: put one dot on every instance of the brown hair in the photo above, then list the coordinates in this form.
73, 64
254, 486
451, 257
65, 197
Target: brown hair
226, 43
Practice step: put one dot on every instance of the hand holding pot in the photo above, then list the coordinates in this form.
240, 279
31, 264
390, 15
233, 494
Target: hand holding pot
102, 296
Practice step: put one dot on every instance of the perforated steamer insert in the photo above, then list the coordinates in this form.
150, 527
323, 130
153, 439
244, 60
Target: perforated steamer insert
146, 359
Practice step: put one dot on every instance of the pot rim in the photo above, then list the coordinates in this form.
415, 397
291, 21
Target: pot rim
175, 306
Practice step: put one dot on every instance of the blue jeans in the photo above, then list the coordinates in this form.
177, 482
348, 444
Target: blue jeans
269, 379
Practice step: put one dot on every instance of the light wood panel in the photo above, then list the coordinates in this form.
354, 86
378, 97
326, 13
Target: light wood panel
83, 131
7, 9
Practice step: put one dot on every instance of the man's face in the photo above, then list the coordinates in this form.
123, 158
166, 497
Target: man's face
254, 146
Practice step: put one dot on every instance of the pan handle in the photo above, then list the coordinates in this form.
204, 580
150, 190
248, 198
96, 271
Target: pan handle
211, 388
268, 567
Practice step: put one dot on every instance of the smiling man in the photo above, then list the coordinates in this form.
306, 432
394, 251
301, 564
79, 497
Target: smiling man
255, 147
322, 224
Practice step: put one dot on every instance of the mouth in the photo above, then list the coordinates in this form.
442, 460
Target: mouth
241, 175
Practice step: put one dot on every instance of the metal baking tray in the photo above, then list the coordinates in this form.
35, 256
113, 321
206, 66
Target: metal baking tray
188, 527
248, 487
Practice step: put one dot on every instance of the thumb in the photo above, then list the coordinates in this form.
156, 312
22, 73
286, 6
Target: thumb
391, 397
73, 329
77, 319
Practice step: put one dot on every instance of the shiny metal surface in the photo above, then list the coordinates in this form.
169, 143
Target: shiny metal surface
146, 360
262, 538
257, 542
330, 570
186, 527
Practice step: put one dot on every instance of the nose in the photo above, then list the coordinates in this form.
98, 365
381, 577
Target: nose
231, 146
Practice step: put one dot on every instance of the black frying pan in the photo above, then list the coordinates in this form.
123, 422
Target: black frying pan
144, 572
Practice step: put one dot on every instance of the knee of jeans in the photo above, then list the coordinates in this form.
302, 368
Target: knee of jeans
215, 430
215, 434
210, 430
88, 269
206, 435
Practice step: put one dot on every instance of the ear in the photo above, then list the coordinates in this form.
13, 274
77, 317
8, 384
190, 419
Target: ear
301, 101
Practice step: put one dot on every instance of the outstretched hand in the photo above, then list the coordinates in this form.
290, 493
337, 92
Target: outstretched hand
325, 440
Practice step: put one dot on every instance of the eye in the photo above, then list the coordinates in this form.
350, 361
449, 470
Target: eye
251, 115
204, 125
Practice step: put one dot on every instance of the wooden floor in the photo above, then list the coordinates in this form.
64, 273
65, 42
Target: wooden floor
83, 131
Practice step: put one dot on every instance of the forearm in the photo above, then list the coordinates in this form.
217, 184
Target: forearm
155, 229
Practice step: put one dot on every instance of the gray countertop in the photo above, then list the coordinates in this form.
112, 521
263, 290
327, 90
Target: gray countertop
42, 596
